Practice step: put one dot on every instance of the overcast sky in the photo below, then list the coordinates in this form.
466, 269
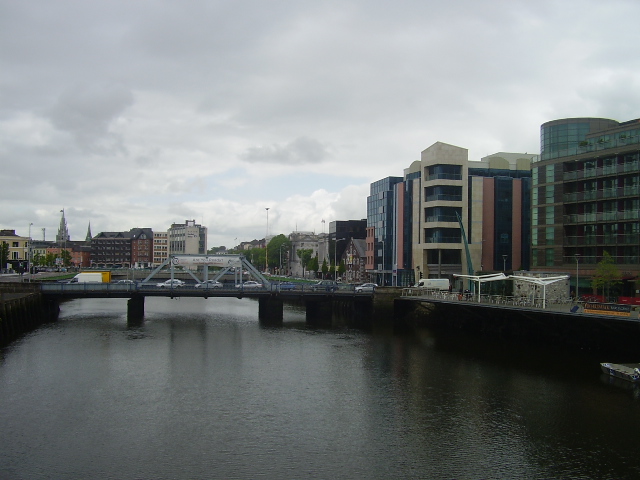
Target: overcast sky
142, 113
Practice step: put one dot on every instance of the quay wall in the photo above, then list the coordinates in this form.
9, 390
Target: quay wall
22, 309
611, 335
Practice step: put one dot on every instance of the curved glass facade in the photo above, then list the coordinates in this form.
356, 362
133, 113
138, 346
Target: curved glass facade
560, 138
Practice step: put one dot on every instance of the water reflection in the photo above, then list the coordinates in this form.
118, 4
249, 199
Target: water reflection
200, 390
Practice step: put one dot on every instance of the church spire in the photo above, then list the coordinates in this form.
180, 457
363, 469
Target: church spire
88, 239
63, 232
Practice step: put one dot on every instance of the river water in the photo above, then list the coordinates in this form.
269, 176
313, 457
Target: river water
201, 390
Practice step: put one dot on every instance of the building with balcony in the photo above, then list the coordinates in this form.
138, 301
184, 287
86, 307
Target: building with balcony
586, 198
470, 216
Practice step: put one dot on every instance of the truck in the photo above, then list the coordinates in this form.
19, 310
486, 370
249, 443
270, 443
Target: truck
433, 283
92, 277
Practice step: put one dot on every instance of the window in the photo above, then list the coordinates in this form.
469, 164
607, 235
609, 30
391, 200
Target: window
534, 237
549, 255
550, 173
549, 215
549, 235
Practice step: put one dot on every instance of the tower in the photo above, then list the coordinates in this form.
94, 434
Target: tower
63, 233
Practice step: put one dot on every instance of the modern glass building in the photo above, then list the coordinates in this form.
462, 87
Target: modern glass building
381, 229
586, 198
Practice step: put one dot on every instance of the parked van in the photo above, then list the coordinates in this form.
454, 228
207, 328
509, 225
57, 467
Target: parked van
433, 283
92, 277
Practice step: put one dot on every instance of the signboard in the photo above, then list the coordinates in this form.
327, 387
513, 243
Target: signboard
211, 260
608, 309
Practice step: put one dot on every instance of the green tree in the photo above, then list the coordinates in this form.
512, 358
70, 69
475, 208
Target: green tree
278, 249
313, 264
342, 268
304, 254
4, 255
50, 259
325, 268
38, 259
606, 274
66, 258
257, 257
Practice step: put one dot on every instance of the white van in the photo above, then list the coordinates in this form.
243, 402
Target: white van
433, 283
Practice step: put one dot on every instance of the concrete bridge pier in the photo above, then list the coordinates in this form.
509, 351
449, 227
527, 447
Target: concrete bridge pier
135, 309
319, 311
270, 310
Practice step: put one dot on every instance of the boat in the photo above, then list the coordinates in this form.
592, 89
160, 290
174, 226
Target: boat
625, 371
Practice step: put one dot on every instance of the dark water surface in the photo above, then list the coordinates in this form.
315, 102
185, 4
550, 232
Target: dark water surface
201, 390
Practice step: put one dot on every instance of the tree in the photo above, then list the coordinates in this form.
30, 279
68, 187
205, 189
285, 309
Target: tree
606, 275
277, 248
304, 254
325, 268
313, 264
342, 268
4, 255
65, 255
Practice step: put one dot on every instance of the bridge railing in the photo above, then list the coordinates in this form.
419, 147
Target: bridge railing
123, 288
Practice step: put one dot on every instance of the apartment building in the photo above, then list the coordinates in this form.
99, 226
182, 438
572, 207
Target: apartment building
160, 248
586, 198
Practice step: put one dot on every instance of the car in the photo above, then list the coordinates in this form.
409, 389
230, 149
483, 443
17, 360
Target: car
209, 284
171, 283
286, 286
125, 282
366, 287
249, 284
326, 285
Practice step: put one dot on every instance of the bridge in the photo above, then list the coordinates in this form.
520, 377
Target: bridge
321, 302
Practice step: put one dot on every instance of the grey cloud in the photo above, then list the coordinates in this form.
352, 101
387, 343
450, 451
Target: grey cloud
301, 151
87, 112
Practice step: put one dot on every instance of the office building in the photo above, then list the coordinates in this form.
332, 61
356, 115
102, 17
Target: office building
586, 199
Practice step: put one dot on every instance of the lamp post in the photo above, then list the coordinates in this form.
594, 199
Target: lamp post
577, 256
266, 244
283, 245
29, 252
335, 259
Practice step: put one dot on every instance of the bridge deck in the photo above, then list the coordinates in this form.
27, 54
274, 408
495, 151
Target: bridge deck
115, 290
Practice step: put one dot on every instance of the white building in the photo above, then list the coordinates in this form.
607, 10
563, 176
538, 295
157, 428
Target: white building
187, 238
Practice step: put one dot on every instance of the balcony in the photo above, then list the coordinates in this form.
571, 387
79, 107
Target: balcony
437, 239
444, 197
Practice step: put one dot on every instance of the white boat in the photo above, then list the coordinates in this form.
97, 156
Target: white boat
625, 371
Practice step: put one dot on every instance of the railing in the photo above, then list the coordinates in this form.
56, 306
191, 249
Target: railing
444, 176
442, 218
443, 240
487, 299
193, 288
444, 197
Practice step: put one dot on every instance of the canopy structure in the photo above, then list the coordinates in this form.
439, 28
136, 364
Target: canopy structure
492, 277
541, 281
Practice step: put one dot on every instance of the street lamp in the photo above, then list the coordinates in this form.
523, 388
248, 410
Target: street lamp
577, 256
29, 252
281, 246
335, 258
266, 249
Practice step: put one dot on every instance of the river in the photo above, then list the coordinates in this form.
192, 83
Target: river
201, 390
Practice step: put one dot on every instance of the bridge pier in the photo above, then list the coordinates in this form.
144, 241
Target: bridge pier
135, 308
270, 310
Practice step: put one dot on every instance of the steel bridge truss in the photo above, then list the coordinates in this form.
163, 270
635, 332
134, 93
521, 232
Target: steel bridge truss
238, 263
